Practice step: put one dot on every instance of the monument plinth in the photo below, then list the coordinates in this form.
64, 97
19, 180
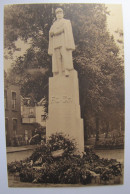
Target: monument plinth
64, 109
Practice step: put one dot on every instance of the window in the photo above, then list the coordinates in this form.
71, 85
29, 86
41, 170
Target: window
13, 100
6, 126
14, 126
31, 111
5, 98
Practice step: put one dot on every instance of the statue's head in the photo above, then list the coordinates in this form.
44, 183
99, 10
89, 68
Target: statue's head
59, 13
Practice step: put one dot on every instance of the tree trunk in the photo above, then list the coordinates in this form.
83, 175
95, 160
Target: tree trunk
107, 129
97, 128
85, 130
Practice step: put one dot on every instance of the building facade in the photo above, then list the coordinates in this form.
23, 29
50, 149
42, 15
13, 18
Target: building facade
16, 131
12, 113
33, 112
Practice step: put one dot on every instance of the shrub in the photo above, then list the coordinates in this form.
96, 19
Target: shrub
56, 162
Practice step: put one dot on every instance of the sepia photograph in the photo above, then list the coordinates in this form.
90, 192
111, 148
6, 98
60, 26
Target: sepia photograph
64, 94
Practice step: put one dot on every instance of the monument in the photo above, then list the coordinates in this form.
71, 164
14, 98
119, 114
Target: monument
64, 108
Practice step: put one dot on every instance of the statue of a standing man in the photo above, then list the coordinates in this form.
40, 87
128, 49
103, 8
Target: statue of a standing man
61, 45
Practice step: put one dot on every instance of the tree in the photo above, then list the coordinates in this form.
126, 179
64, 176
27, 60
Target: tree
96, 57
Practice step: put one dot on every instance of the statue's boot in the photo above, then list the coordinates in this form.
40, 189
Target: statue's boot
55, 74
66, 73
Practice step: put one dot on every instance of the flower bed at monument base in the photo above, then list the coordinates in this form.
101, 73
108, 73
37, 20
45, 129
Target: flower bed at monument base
57, 162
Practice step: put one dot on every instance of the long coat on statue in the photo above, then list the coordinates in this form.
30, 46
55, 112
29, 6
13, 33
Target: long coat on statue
61, 44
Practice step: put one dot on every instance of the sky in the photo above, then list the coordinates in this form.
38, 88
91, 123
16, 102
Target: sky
114, 21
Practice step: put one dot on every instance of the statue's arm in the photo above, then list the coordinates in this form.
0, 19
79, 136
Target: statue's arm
59, 31
51, 32
69, 39
50, 48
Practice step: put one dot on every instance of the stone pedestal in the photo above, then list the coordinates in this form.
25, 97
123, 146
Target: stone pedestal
64, 109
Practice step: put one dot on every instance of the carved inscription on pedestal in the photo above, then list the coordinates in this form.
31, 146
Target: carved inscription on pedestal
63, 99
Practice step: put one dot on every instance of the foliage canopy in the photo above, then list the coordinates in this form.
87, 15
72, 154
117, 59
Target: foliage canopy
96, 57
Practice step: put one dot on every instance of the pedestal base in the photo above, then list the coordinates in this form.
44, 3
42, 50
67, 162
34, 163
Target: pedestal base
64, 108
